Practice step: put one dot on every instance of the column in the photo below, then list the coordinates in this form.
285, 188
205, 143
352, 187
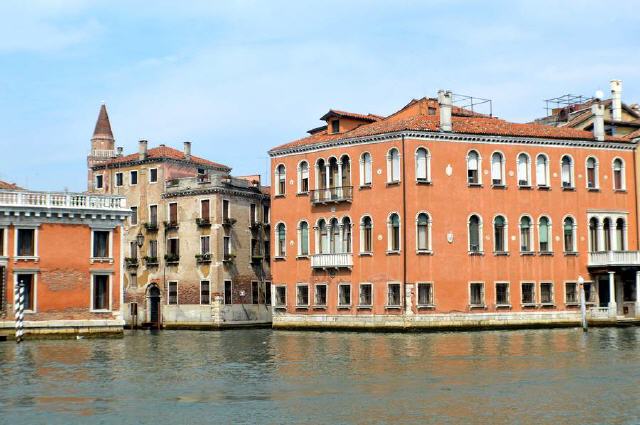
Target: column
638, 294
600, 231
339, 182
327, 181
408, 303
613, 307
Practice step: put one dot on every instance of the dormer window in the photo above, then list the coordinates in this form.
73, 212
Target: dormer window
335, 126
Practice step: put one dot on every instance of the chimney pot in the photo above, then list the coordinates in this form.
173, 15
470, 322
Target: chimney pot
142, 150
187, 150
444, 100
119, 150
598, 121
616, 100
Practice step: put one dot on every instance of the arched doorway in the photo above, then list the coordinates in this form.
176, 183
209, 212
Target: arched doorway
153, 301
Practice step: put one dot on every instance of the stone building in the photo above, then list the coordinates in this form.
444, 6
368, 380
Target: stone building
439, 217
66, 250
195, 239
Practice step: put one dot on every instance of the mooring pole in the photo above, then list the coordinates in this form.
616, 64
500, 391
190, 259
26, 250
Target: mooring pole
19, 311
583, 303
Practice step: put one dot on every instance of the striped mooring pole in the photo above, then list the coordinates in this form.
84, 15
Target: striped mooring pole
19, 311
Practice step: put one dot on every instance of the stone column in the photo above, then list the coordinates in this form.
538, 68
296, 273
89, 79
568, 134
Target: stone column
613, 307
327, 180
638, 294
600, 241
408, 305
338, 184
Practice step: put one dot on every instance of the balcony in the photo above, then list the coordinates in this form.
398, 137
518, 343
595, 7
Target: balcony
614, 259
63, 200
151, 261
228, 258
203, 258
331, 195
131, 262
151, 226
228, 222
172, 259
332, 261
203, 222
171, 225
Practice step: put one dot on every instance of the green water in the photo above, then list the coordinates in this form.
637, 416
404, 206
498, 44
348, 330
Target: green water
259, 376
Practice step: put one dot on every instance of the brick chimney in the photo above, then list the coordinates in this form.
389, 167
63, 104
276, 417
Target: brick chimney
444, 100
616, 100
119, 150
187, 150
142, 150
598, 120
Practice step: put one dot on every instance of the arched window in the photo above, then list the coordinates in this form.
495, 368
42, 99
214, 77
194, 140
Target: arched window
525, 234
524, 177
303, 238
345, 168
500, 237
423, 234
334, 235
393, 166
473, 168
567, 172
618, 174
606, 228
334, 181
394, 232
592, 173
569, 235
321, 174
542, 171
281, 233
593, 235
346, 235
497, 169
303, 177
366, 234
620, 240
281, 179
422, 165
365, 169
475, 237
544, 234
323, 238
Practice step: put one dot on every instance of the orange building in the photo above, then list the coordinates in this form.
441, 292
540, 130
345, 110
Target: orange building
439, 217
66, 250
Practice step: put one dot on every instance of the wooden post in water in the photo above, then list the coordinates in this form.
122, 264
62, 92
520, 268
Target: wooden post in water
583, 303
18, 297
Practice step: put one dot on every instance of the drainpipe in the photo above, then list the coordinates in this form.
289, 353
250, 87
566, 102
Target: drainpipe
404, 230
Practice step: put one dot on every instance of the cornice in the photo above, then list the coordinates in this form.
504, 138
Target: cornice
215, 190
157, 160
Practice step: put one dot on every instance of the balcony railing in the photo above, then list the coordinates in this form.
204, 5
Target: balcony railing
62, 200
332, 194
332, 261
103, 153
614, 258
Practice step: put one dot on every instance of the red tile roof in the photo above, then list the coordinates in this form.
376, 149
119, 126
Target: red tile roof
165, 152
103, 126
415, 116
9, 186
633, 135
367, 117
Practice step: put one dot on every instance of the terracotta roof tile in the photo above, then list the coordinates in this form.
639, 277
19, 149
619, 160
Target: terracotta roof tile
103, 126
165, 152
365, 117
9, 186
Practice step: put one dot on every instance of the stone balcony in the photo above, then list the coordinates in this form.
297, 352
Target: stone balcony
614, 259
332, 261
63, 201
331, 195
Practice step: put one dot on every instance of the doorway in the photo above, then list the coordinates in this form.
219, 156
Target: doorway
154, 307
603, 292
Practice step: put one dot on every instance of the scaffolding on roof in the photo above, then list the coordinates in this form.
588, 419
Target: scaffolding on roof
471, 104
567, 102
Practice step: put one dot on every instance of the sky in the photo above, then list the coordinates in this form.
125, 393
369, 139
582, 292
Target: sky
239, 77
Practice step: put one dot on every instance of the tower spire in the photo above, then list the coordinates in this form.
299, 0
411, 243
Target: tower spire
103, 126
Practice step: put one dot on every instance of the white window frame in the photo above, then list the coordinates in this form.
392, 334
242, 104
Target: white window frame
177, 292
202, 237
340, 305
571, 282
433, 295
362, 244
300, 253
101, 259
275, 297
495, 295
98, 177
483, 294
121, 174
149, 214
479, 168
109, 275
547, 174
427, 165
131, 173
480, 234
157, 175
281, 251
391, 179
572, 177
574, 238
200, 292
535, 295
169, 212
35, 255
136, 215
428, 249
549, 235
596, 172
553, 296
301, 177
393, 306
623, 177
363, 170
390, 234
315, 295
34, 275
505, 236
502, 177
360, 285
527, 170
532, 232
278, 177
302, 285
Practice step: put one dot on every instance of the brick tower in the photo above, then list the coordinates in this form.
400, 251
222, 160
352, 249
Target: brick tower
102, 144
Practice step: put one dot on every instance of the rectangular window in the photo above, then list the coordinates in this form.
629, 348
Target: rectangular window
281, 297
173, 247
528, 293
29, 290
133, 280
173, 293
173, 213
228, 292
226, 246
255, 293
205, 245
366, 295
205, 292
320, 297
26, 242
134, 216
100, 290
101, 244
225, 209
344, 295
2, 253
589, 293
153, 249
133, 178
255, 248
252, 214
119, 179
265, 214
476, 294
99, 181
204, 209
302, 295
153, 175
153, 215
546, 293
502, 294
133, 249
570, 293
267, 293
425, 294
393, 292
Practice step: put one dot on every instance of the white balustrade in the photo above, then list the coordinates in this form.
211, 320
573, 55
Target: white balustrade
21, 199
614, 258
599, 312
103, 153
342, 260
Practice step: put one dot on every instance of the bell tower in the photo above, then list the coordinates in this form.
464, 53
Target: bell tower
102, 144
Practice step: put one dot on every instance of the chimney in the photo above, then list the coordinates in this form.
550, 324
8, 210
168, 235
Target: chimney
187, 150
598, 120
119, 151
142, 150
444, 100
616, 100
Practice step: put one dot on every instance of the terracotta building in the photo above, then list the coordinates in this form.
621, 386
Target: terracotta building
435, 216
65, 249
195, 242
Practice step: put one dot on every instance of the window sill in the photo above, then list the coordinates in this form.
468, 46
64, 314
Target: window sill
365, 307
26, 258
527, 253
394, 183
477, 306
620, 190
499, 186
547, 305
426, 306
392, 307
319, 307
302, 257
504, 306
571, 254
529, 305
545, 253
302, 194
501, 253
572, 304
424, 252
105, 260
100, 311
525, 187
568, 189
279, 258
547, 188
423, 182
365, 186
280, 307
366, 254
393, 252
476, 253
344, 307
474, 185
302, 307
279, 196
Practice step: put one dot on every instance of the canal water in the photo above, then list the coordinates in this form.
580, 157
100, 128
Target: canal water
260, 376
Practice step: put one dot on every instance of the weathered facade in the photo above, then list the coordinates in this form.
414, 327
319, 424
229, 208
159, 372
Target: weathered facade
66, 250
188, 260
437, 217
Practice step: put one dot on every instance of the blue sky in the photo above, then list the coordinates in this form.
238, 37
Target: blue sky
239, 77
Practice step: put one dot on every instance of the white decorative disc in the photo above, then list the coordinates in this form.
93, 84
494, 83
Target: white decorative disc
449, 170
379, 171
379, 237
